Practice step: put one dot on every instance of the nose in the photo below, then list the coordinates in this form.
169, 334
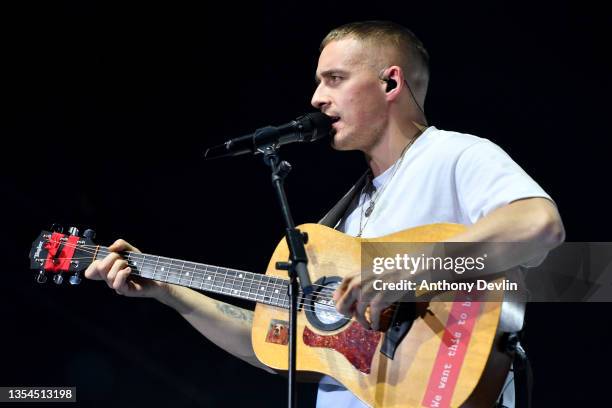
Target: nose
319, 100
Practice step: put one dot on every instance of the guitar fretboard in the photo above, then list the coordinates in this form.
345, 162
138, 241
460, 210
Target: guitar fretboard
226, 281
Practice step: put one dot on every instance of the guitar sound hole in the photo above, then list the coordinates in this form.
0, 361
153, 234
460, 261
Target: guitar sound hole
324, 306
320, 308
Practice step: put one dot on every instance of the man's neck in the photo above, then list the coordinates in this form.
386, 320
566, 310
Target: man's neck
389, 149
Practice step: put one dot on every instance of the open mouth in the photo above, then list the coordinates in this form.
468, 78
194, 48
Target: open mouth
333, 129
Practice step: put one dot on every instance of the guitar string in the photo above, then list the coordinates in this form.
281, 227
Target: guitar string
271, 300
172, 270
281, 283
138, 254
277, 286
167, 262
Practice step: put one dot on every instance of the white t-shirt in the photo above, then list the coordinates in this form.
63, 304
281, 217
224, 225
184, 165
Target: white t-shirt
444, 177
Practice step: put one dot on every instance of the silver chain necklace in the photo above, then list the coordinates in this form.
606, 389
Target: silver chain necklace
379, 192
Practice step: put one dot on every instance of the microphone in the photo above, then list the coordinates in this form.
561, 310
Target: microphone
307, 128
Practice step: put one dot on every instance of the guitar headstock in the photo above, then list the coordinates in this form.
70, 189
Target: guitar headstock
62, 254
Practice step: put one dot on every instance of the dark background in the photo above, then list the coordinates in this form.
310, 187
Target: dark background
107, 107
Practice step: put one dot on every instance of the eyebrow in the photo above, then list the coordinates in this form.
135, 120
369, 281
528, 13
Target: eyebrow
328, 73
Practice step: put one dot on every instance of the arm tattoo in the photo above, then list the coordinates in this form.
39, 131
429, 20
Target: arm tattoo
235, 312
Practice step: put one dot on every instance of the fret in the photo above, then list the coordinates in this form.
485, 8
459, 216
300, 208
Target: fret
284, 294
203, 278
165, 270
170, 274
261, 289
252, 294
181, 272
207, 278
139, 264
280, 291
130, 258
270, 292
224, 279
221, 272
144, 267
155, 267
215, 286
192, 273
267, 290
254, 287
247, 284
226, 286
175, 271
212, 279
231, 276
230, 280
236, 277
273, 291
241, 279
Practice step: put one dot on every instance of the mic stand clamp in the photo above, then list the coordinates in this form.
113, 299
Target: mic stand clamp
297, 265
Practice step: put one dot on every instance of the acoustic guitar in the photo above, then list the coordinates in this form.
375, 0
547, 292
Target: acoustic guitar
433, 354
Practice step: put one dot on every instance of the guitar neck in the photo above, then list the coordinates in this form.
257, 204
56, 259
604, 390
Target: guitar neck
208, 278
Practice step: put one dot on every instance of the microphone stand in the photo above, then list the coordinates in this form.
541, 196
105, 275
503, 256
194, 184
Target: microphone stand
296, 267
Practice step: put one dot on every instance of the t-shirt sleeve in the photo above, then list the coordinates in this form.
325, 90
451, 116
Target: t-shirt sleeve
487, 178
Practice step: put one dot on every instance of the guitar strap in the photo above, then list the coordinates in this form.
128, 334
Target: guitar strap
523, 375
512, 314
512, 323
336, 214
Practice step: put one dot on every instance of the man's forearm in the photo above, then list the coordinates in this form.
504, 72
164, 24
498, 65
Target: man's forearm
534, 223
228, 326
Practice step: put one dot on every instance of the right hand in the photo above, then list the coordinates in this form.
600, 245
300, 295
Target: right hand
115, 271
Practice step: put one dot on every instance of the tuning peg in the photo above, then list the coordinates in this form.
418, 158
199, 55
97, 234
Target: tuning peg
58, 278
73, 231
75, 279
57, 228
42, 276
90, 234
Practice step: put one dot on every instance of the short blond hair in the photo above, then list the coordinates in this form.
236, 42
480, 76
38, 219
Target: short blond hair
413, 57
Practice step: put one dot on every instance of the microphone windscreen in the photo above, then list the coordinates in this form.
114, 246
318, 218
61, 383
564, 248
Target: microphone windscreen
321, 125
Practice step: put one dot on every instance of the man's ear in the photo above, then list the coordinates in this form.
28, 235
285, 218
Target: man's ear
385, 76
391, 84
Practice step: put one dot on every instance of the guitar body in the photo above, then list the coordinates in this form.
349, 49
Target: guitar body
351, 354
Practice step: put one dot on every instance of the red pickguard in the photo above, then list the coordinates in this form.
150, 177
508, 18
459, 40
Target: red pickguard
355, 343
